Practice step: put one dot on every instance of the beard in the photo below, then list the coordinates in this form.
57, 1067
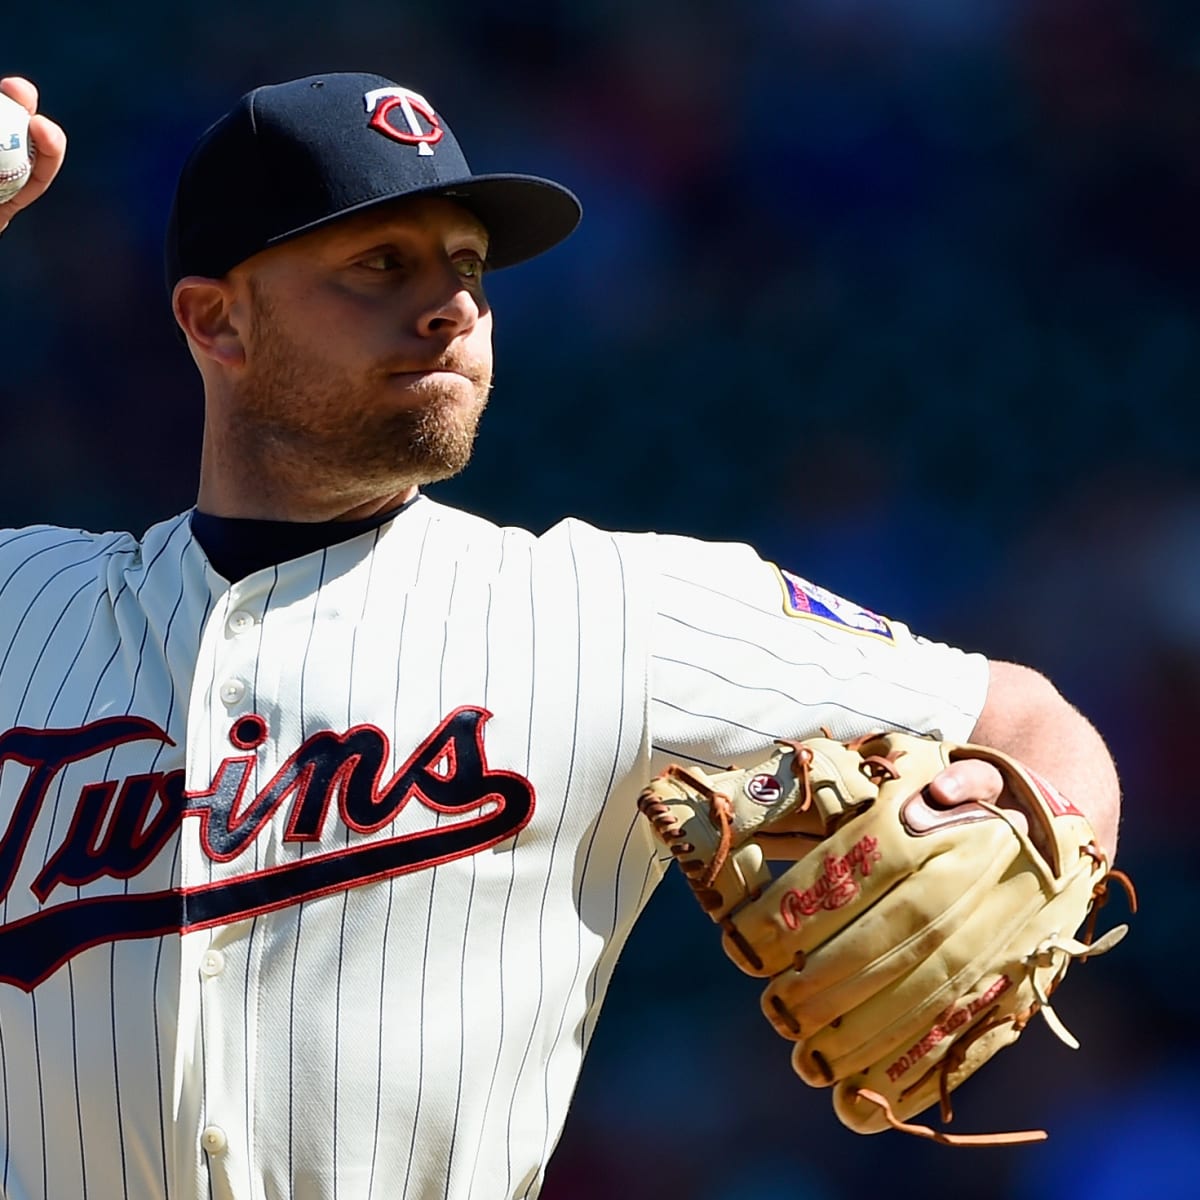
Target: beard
312, 427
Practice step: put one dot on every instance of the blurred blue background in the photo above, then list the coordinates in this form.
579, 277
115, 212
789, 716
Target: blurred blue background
903, 292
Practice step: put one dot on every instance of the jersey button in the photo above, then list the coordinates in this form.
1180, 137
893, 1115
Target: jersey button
232, 690
213, 1139
241, 621
213, 963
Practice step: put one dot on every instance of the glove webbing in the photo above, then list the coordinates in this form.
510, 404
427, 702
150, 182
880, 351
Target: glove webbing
720, 810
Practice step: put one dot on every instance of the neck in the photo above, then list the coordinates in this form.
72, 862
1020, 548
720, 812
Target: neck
237, 479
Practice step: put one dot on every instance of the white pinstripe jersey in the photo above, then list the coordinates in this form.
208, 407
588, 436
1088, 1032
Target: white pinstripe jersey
311, 886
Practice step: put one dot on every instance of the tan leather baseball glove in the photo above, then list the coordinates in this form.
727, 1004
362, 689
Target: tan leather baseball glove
906, 943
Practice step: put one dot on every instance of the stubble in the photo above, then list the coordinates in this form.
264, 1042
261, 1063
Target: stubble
313, 430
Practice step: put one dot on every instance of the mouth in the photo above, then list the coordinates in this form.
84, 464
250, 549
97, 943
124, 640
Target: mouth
429, 373
433, 385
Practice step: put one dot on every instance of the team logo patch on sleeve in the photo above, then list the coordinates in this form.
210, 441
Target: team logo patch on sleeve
804, 599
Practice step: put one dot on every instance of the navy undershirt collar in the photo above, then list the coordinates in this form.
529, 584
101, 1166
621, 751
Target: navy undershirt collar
239, 546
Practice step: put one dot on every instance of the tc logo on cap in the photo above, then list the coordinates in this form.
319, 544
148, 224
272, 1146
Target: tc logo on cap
382, 102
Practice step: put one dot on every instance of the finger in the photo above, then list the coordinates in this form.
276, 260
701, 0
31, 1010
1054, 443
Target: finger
50, 145
20, 90
50, 142
967, 780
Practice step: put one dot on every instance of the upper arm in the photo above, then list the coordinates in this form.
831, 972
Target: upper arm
1018, 700
1026, 716
742, 653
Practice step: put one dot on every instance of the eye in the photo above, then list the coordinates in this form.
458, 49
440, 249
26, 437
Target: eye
380, 260
469, 266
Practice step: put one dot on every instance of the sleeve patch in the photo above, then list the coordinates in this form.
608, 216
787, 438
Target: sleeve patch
804, 599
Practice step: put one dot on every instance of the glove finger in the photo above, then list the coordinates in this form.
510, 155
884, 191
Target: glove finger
930, 1002
933, 1067
811, 901
845, 972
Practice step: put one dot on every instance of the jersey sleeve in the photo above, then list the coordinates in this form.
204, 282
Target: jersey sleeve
743, 652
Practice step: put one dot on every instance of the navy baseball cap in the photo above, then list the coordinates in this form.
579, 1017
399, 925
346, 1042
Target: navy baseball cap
292, 157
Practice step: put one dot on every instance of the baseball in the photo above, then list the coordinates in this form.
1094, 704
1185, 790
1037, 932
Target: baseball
16, 154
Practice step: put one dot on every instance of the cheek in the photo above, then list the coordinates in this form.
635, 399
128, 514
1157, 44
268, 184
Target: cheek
339, 338
480, 340
299, 357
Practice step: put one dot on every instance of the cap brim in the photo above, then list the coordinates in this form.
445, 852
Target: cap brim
523, 214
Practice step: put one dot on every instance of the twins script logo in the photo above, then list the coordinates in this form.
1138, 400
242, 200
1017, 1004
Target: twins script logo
835, 887
119, 826
383, 102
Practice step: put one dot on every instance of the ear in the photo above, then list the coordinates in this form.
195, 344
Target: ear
206, 312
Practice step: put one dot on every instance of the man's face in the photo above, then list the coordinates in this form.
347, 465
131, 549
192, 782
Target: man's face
369, 348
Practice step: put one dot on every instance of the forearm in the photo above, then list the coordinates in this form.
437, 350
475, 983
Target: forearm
1025, 716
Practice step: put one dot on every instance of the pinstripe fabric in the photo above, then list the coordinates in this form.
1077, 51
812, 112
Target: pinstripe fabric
417, 1033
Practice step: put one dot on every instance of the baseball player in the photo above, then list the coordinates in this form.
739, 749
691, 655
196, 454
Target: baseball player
318, 824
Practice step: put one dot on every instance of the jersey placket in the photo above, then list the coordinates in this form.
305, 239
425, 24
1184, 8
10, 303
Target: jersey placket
219, 966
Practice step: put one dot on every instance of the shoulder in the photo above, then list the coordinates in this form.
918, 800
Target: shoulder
45, 570
37, 556
570, 535
645, 559
670, 570
23, 549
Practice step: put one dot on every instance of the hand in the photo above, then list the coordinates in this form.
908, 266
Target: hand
970, 780
49, 141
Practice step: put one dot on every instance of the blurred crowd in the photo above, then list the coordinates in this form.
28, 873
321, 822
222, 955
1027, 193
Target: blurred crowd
903, 292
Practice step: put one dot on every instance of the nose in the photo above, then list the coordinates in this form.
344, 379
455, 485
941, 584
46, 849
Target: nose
451, 311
